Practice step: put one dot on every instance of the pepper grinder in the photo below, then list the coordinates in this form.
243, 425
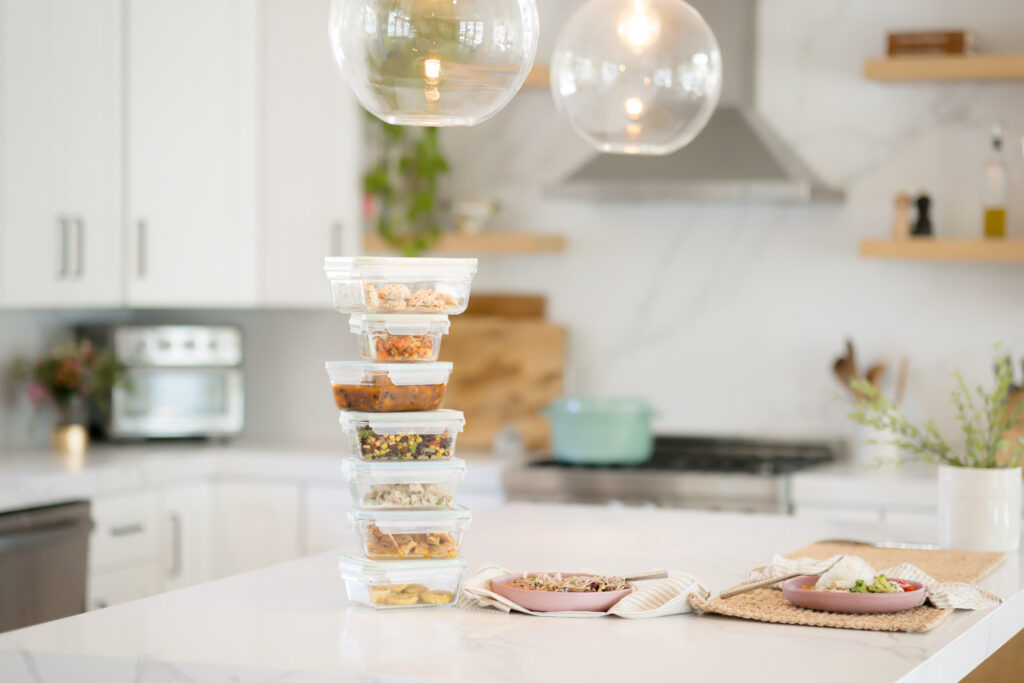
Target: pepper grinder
923, 224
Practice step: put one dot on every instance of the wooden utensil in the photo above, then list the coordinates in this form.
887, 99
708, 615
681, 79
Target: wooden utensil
647, 576
901, 380
771, 582
875, 372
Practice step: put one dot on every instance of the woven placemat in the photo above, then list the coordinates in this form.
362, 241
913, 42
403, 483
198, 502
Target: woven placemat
769, 604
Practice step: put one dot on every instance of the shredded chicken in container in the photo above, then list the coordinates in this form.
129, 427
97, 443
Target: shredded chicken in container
557, 583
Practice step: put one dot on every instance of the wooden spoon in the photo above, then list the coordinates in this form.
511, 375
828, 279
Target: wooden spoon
771, 582
647, 576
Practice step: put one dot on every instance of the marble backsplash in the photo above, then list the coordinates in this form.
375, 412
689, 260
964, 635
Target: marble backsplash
726, 317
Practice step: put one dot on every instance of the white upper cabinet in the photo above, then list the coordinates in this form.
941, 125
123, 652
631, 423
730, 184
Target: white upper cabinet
192, 69
311, 150
61, 153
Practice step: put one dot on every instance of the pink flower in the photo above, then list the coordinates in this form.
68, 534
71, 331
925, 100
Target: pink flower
37, 393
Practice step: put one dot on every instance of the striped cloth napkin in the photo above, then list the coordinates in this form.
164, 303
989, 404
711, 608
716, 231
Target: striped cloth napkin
651, 599
949, 595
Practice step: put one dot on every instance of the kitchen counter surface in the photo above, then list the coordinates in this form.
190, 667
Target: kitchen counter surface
30, 479
293, 622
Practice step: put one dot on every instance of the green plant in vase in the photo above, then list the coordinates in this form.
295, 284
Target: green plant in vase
403, 180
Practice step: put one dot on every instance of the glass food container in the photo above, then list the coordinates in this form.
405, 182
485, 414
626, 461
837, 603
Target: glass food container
411, 534
428, 435
365, 284
413, 583
388, 387
399, 338
429, 485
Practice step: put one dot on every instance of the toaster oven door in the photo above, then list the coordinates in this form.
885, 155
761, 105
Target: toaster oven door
178, 402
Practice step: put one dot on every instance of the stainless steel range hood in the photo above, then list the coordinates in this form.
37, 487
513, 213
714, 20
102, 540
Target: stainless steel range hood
737, 157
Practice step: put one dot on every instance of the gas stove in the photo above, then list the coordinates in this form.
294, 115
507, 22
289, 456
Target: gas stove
745, 475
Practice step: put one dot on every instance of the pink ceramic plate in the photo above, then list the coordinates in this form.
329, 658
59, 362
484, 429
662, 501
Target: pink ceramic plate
851, 603
548, 601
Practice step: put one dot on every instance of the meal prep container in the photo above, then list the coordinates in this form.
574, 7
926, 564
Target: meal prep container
411, 534
399, 338
365, 284
388, 387
404, 485
428, 435
414, 583
592, 431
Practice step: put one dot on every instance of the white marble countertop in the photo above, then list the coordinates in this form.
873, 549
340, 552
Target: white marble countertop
29, 479
913, 486
293, 622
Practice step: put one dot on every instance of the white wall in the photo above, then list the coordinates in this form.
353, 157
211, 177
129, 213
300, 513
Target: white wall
726, 317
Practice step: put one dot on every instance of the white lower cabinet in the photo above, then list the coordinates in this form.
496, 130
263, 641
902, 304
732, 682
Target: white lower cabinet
325, 521
185, 556
114, 586
255, 524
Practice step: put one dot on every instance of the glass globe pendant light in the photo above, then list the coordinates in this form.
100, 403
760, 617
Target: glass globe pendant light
434, 62
636, 76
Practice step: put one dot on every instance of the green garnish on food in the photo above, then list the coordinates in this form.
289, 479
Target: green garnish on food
881, 584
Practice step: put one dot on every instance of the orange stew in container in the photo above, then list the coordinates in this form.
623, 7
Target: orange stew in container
388, 387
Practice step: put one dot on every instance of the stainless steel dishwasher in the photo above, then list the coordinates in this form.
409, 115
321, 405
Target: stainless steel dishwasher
43, 559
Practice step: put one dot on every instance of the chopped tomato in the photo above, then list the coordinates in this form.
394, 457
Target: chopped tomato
904, 585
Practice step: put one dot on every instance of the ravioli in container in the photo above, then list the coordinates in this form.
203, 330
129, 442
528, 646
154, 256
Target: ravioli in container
394, 584
427, 435
399, 338
428, 485
388, 387
369, 284
411, 534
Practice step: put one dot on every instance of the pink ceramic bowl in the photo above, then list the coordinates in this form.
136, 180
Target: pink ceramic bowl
548, 601
851, 603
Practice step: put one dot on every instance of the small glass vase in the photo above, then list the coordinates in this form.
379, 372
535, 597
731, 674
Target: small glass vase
70, 438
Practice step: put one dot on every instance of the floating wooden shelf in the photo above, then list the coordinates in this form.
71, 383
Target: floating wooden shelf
538, 77
945, 68
484, 244
950, 251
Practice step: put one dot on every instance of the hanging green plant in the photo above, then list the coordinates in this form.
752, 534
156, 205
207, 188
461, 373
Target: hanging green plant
403, 179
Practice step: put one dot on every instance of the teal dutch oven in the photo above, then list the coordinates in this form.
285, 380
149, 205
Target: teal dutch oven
601, 431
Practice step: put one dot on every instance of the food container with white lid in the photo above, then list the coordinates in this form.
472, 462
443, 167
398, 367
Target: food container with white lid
399, 338
371, 284
388, 387
411, 534
427, 435
429, 485
397, 583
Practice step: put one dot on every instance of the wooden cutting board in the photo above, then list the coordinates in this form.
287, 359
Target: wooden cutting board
506, 371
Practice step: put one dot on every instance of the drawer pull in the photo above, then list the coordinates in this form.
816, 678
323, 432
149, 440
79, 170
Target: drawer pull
127, 529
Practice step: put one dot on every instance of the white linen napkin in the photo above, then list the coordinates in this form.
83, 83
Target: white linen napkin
949, 595
651, 599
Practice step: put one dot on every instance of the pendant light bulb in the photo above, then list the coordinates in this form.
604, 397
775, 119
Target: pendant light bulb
639, 26
636, 76
434, 62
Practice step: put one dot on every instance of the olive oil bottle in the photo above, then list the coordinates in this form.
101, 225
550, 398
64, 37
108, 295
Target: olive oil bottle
994, 193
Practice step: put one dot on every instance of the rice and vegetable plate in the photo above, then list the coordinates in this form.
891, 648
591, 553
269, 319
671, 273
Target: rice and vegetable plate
556, 583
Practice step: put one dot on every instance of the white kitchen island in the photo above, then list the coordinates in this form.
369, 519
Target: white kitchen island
293, 622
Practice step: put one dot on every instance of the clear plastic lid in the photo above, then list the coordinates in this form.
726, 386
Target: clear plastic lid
401, 472
421, 422
413, 521
399, 269
397, 324
352, 372
355, 568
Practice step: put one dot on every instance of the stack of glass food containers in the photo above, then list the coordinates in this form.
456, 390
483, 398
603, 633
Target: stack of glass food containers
402, 471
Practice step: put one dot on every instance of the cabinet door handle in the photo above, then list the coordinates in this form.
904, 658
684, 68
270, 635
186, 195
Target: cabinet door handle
174, 571
140, 256
127, 529
79, 246
62, 247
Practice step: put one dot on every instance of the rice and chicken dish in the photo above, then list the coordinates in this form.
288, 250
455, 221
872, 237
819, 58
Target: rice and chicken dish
851, 574
557, 583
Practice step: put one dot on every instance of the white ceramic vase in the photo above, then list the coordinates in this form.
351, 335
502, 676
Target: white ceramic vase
980, 509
